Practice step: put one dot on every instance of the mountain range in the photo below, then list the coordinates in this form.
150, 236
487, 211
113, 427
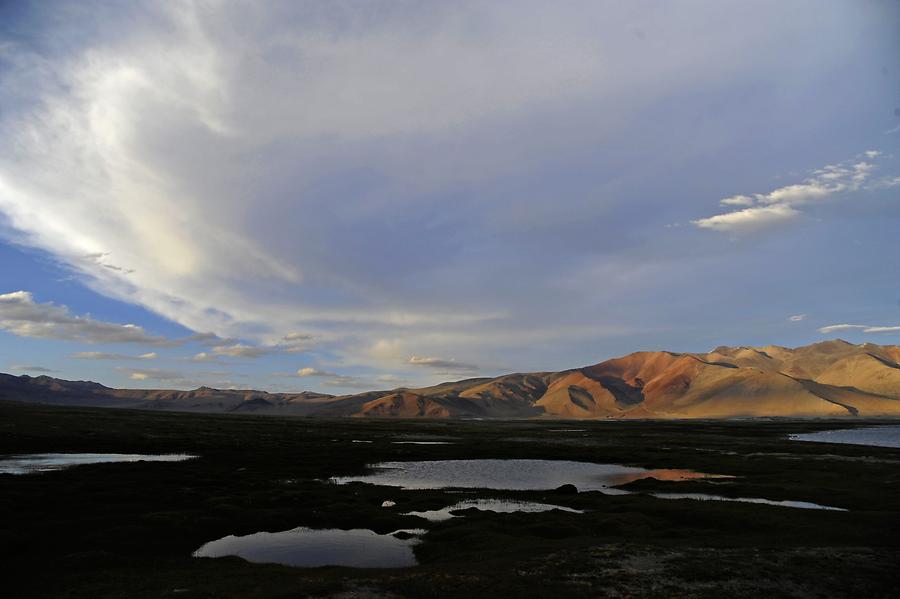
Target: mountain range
827, 379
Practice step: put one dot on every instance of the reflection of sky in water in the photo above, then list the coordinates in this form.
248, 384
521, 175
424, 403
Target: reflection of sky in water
46, 462
421, 442
879, 436
358, 548
535, 475
515, 475
503, 506
703, 497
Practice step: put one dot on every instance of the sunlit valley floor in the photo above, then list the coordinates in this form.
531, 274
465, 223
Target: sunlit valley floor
131, 528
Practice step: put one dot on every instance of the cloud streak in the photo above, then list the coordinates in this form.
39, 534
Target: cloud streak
440, 363
22, 316
865, 328
97, 355
333, 379
27, 368
781, 205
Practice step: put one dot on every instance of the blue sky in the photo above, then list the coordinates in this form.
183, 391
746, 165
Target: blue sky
305, 195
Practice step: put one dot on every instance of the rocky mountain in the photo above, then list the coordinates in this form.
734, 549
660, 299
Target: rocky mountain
828, 379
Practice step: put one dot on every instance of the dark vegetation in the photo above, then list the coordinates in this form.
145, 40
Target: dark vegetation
128, 530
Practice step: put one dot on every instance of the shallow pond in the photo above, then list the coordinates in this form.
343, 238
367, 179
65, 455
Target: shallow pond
537, 475
879, 436
806, 505
307, 547
503, 506
421, 442
45, 462
512, 475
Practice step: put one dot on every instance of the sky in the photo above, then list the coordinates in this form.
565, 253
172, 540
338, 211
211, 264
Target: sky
338, 196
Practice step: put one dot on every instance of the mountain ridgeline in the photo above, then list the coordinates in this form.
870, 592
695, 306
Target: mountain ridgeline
828, 379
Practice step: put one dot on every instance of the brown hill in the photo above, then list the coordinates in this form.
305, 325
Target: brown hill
828, 379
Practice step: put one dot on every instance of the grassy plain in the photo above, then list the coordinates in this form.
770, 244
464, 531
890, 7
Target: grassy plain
128, 530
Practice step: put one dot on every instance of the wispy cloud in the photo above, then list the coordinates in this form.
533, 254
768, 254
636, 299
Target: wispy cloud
797, 317
781, 205
206, 357
296, 343
315, 372
440, 363
179, 379
157, 374
98, 355
749, 219
738, 200
21, 315
240, 350
26, 368
865, 328
333, 379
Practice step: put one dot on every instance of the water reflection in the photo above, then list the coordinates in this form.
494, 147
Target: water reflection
421, 442
503, 506
878, 436
307, 547
46, 462
513, 475
806, 505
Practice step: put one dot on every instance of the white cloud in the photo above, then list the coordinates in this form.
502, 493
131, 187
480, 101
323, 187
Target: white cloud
794, 194
864, 327
296, 343
764, 210
240, 350
99, 355
157, 374
841, 327
797, 317
748, 219
204, 357
738, 200
308, 371
333, 379
22, 316
179, 379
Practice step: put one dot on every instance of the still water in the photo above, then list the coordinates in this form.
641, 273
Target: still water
308, 547
805, 505
501, 506
45, 462
879, 436
539, 475
512, 475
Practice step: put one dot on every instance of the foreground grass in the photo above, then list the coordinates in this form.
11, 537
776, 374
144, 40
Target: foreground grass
128, 530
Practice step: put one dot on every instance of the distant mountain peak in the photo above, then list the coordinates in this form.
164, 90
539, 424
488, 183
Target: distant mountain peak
825, 379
